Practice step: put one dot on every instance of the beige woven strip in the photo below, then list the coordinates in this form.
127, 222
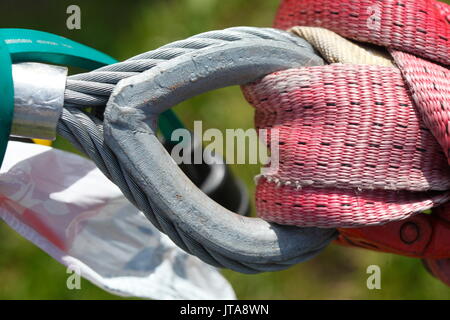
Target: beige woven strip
336, 49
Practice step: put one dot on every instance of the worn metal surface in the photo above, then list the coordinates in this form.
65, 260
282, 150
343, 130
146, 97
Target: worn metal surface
192, 220
38, 99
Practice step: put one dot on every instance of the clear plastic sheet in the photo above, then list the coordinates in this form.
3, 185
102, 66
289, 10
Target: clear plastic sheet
63, 204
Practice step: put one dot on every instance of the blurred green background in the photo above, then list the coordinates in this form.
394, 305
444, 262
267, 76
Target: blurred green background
123, 29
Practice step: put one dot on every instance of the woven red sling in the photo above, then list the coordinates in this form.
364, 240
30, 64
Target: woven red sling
362, 145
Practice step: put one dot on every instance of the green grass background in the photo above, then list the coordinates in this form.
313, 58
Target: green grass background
123, 29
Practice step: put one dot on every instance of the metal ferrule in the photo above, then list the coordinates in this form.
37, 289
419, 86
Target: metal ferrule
38, 99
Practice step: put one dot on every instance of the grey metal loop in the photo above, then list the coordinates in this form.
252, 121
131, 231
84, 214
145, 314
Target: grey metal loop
192, 220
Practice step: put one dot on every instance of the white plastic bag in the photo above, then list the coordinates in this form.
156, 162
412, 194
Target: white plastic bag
64, 204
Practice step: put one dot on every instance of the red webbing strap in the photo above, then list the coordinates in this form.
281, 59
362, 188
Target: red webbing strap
429, 86
357, 145
353, 150
419, 27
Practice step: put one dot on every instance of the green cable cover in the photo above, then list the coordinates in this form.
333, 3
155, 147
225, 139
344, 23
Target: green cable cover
6, 98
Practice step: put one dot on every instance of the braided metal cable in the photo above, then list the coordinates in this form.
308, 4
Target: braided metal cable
93, 89
85, 131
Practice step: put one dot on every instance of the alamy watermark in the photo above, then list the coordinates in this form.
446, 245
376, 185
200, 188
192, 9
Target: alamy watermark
73, 281
73, 21
374, 280
243, 147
